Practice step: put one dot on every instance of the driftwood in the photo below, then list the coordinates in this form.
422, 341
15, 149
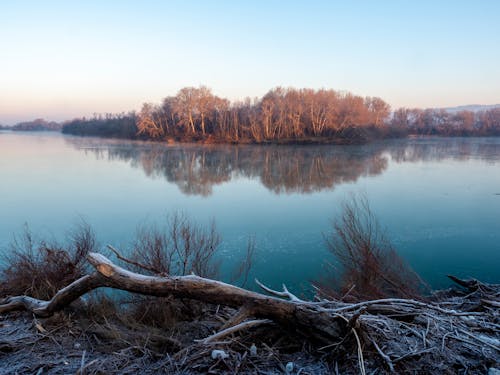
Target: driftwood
311, 318
452, 329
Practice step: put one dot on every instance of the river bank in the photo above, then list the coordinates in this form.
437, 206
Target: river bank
454, 331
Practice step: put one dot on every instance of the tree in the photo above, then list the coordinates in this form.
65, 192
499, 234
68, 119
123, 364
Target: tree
185, 107
378, 109
151, 121
401, 118
205, 103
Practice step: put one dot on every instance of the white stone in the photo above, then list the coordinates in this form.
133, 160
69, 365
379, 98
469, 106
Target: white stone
219, 354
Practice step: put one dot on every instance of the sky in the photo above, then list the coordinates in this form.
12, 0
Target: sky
66, 59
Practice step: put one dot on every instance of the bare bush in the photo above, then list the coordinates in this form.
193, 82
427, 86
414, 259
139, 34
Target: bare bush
180, 247
39, 268
370, 266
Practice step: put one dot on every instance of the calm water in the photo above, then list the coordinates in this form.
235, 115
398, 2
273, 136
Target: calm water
438, 198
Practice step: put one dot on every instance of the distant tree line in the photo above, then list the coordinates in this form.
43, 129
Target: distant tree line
109, 125
442, 122
38, 124
283, 115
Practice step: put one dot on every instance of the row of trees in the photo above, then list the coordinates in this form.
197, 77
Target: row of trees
442, 122
282, 115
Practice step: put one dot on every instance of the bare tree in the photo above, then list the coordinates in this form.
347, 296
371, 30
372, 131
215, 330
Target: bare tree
185, 106
151, 121
378, 110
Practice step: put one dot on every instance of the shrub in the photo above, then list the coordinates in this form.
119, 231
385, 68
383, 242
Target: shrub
370, 266
177, 247
180, 247
39, 269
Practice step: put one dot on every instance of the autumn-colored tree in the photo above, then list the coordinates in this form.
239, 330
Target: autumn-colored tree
151, 121
185, 107
378, 110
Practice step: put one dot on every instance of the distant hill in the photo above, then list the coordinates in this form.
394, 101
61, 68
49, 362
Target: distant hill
472, 107
37, 125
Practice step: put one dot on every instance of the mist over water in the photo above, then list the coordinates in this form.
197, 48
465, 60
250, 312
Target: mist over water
439, 198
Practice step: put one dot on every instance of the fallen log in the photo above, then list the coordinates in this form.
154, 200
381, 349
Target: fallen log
311, 319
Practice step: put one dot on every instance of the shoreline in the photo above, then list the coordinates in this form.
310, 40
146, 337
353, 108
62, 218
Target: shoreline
310, 141
82, 340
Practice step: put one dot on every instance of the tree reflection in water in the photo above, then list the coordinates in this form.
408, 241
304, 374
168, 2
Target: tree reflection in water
196, 169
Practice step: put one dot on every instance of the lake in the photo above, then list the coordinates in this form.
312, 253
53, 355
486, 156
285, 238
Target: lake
438, 198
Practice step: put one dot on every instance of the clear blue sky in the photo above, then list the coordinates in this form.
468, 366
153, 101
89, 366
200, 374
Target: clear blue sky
61, 59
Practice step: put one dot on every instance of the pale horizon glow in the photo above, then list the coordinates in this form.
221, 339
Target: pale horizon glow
61, 60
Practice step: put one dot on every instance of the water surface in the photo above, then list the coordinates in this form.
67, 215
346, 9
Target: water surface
439, 198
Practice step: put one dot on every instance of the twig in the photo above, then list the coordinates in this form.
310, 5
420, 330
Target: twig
81, 370
334, 344
384, 356
426, 331
285, 293
129, 261
404, 301
291, 296
360, 354
467, 284
348, 292
412, 354
236, 328
444, 338
82, 364
492, 303
243, 313
481, 340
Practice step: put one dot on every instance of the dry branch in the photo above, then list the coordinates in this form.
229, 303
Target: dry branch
129, 261
313, 320
235, 328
